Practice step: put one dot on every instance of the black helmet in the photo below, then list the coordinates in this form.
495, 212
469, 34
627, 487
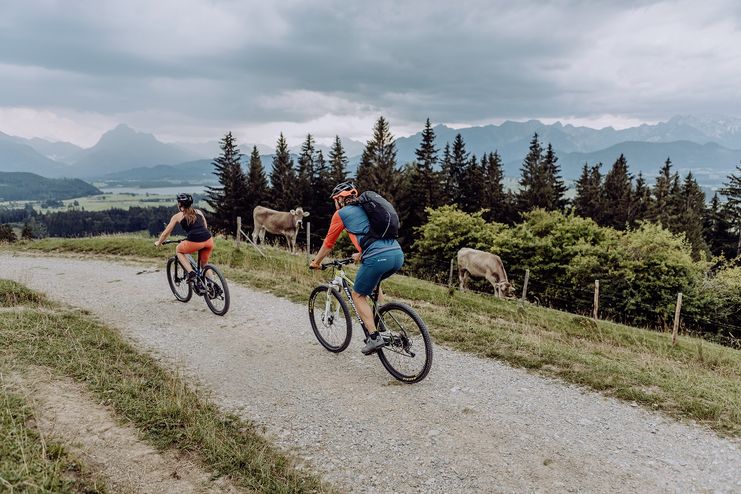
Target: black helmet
185, 200
344, 189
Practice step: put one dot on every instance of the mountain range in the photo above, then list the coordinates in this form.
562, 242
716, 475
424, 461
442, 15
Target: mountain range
709, 146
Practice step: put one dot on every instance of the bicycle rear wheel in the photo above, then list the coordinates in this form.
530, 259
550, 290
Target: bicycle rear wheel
217, 291
177, 278
330, 318
408, 351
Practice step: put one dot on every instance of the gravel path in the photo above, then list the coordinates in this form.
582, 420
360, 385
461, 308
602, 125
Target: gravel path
473, 425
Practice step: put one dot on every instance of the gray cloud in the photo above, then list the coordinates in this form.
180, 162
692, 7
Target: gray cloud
253, 64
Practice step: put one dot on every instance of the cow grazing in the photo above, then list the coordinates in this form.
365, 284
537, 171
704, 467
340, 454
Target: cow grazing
278, 223
480, 264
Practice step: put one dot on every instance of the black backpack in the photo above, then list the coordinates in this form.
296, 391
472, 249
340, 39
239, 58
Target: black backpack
383, 219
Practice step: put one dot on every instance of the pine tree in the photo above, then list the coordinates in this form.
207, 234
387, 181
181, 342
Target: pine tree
258, 192
448, 193
732, 190
322, 185
471, 186
617, 195
305, 176
283, 178
692, 214
455, 162
377, 169
420, 187
492, 191
587, 202
427, 180
664, 200
642, 204
227, 200
541, 185
337, 162
718, 229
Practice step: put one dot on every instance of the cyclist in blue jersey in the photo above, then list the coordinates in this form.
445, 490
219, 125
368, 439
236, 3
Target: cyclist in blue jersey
379, 260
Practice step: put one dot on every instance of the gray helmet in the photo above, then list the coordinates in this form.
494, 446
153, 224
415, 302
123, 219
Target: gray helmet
344, 189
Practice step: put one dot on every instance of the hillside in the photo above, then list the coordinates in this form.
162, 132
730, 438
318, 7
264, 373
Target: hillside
22, 186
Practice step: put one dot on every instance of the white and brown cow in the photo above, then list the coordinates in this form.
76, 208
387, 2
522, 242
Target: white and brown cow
278, 223
480, 264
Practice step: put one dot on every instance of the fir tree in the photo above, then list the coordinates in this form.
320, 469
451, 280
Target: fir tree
471, 186
718, 229
692, 214
377, 168
337, 162
587, 202
665, 193
641, 201
420, 187
227, 200
493, 197
540, 183
305, 176
554, 187
732, 190
617, 195
322, 185
530, 178
283, 178
448, 193
455, 162
427, 181
258, 192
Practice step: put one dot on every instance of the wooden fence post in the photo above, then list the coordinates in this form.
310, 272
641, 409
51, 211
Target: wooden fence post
238, 236
676, 318
596, 300
450, 276
524, 285
308, 242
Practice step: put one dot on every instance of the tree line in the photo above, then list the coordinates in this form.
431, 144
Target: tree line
453, 176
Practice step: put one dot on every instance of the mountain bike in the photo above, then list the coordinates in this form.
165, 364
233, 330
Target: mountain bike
208, 283
407, 350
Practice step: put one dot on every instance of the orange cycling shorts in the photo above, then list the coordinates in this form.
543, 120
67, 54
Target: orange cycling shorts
203, 248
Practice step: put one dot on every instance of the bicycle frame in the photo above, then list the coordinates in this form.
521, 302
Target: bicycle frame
342, 283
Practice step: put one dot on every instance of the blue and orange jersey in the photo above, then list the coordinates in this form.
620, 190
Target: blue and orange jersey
353, 219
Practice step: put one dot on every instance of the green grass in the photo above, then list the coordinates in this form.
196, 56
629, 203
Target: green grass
695, 379
168, 412
28, 462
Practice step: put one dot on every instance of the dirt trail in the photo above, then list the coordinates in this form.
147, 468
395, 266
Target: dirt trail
65, 411
473, 425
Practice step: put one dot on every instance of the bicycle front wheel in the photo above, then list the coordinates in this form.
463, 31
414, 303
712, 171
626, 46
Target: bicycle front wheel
408, 351
177, 277
330, 318
217, 291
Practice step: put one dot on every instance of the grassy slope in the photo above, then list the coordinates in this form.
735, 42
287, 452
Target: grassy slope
694, 379
169, 413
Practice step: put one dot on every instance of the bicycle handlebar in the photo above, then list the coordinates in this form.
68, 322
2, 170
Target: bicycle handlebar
172, 241
337, 263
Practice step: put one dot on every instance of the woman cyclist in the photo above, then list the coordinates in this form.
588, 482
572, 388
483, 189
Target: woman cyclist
198, 238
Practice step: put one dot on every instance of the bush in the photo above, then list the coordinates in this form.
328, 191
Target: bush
446, 231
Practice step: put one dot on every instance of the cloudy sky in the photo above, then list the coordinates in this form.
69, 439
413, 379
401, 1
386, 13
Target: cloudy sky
190, 70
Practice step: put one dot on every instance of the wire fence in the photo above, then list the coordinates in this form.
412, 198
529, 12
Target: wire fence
580, 299
597, 298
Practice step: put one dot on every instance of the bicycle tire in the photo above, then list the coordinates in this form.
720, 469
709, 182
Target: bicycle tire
330, 323
177, 279
211, 295
404, 330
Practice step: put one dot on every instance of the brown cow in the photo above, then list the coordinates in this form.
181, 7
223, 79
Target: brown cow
480, 264
278, 223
